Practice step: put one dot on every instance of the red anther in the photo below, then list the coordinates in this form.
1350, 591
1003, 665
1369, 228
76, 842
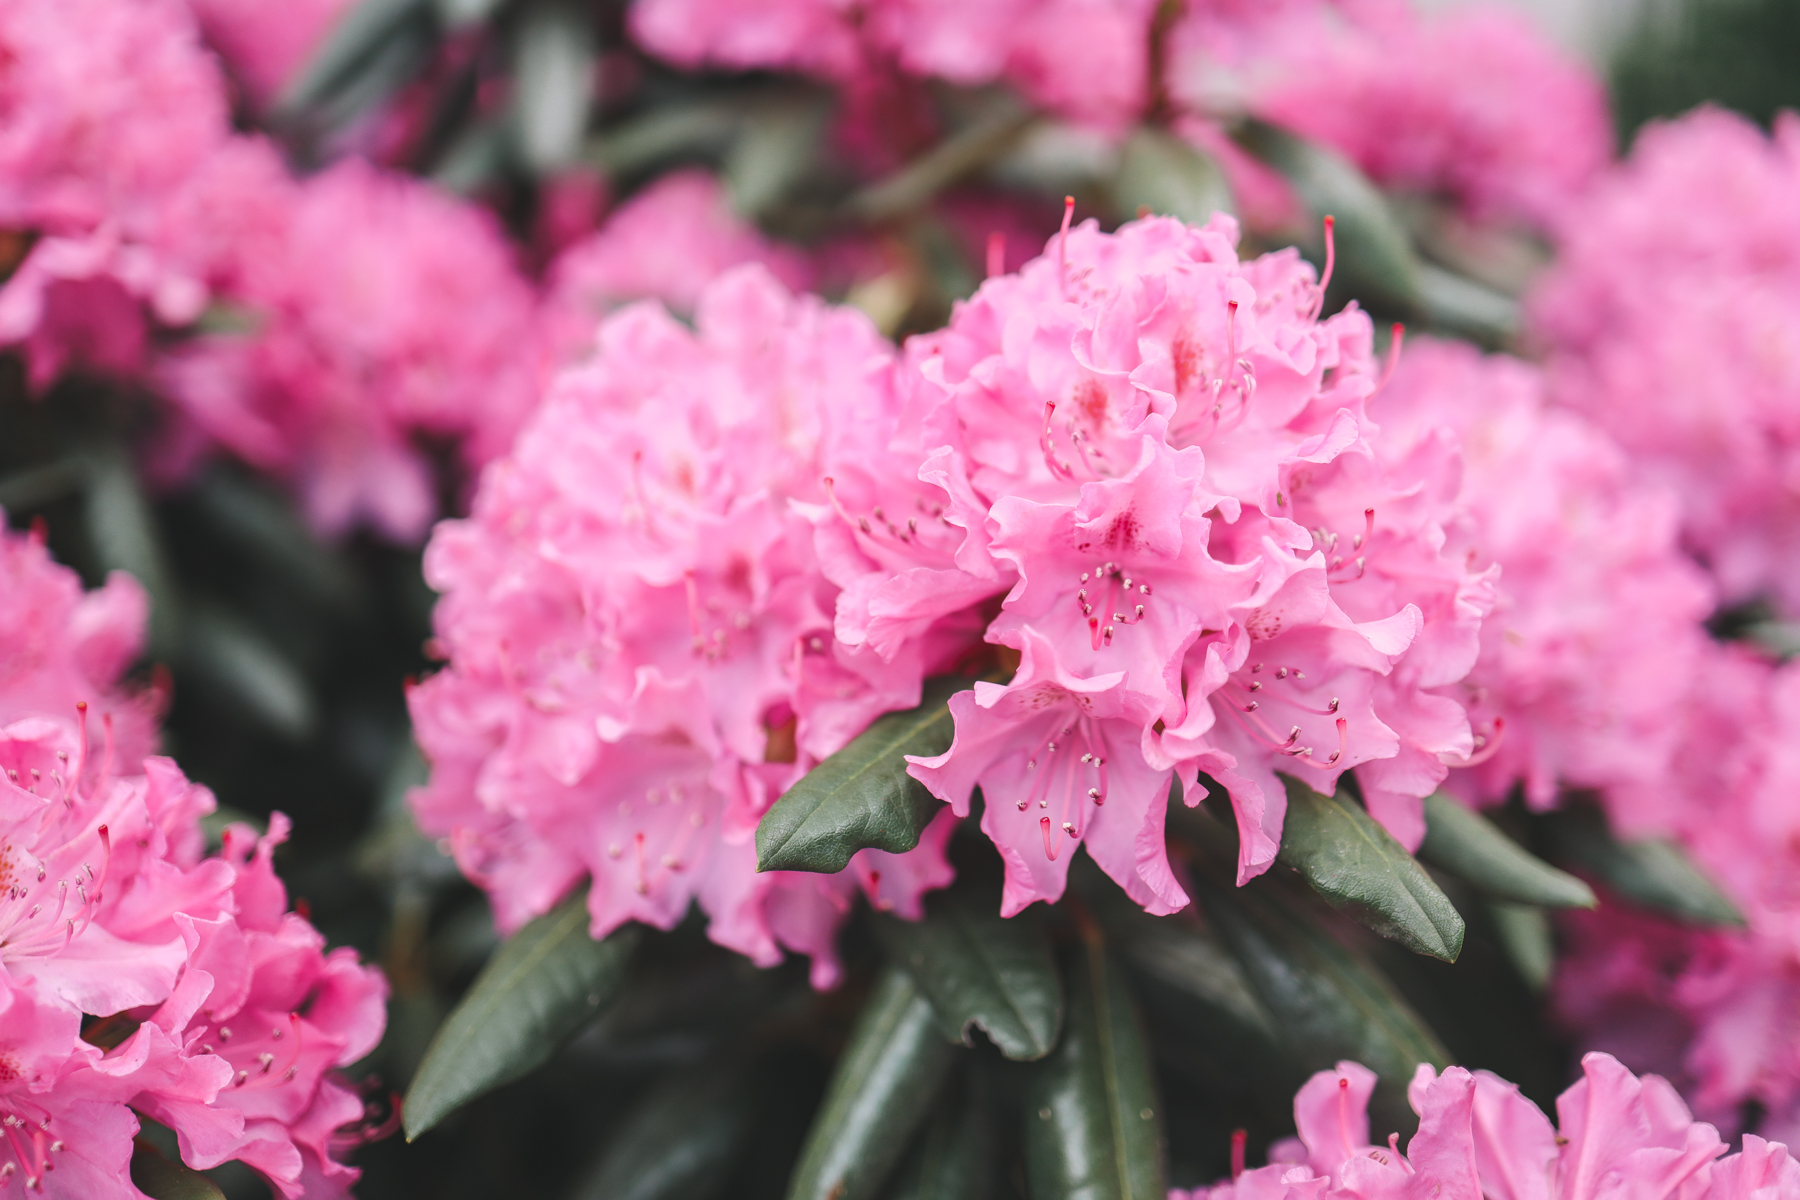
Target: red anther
996, 254
1238, 1138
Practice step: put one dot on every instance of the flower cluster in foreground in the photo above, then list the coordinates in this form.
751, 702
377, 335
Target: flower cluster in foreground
1616, 1134
138, 974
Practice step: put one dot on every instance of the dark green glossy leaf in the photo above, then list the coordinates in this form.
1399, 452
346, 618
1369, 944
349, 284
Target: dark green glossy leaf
861, 796
681, 1140
542, 985
125, 536
780, 140
950, 1158
1187, 960
553, 78
978, 968
1656, 874
1374, 258
168, 1179
1467, 844
1524, 933
1353, 862
1457, 304
1093, 1127
884, 1085
1328, 1002
1160, 173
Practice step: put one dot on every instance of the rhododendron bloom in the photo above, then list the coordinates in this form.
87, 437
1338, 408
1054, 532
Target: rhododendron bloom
380, 311
1677, 337
265, 45
107, 108
1478, 1137
1166, 451
640, 637
1598, 617
666, 243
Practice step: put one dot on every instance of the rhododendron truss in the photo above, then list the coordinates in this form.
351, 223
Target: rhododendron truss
1478, 1136
127, 955
1166, 452
640, 635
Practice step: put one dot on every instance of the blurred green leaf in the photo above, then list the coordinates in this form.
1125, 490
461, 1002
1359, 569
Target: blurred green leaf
949, 1159
1657, 874
1354, 863
553, 79
168, 1179
779, 142
680, 1140
125, 538
861, 796
963, 152
666, 133
1160, 173
359, 38
1467, 844
1524, 933
978, 968
1189, 961
1328, 1002
886, 1081
1092, 1126
232, 656
1374, 259
1459, 305
542, 985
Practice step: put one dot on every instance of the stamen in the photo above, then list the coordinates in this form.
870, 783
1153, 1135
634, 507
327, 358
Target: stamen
996, 254
1062, 249
1049, 842
1238, 1138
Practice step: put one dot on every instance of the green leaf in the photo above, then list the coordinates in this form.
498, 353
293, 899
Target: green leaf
1358, 866
1467, 844
1657, 874
123, 530
542, 985
1160, 173
681, 1140
1186, 960
780, 140
978, 968
1328, 1002
949, 1159
168, 1179
553, 74
885, 1083
1003, 121
1374, 258
861, 796
1524, 933
1093, 1129
357, 37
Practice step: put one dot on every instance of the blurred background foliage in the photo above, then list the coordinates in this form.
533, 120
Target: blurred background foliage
283, 655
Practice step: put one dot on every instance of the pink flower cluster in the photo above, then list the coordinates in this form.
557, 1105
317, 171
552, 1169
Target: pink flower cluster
1616, 1134
219, 1012
640, 635
1473, 105
368, 312
1599, 613
1714, 1008
1677, 335
1160, 454
1085, 59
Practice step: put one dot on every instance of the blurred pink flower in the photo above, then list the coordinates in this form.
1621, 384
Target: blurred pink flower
1678, 336
1598, 625
379, 312
665, 243
264, 45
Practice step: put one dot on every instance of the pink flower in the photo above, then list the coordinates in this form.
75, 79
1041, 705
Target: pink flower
1085, 59
1165, 450
108, 107
61, 647
1676, 336
1478, 1137
640, 636
381, 312
1473, 105
666, 243
1598, 622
